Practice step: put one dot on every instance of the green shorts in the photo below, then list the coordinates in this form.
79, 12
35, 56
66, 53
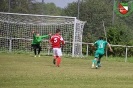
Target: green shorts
99, 54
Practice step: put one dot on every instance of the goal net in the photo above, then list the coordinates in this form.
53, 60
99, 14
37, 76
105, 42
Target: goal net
15, 32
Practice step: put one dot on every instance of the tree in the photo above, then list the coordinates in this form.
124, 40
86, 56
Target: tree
93, 12
29, 7
96, 11
3, 6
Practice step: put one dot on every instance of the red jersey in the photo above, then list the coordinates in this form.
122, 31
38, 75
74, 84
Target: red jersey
55, 40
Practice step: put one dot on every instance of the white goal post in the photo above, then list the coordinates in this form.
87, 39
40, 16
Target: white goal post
15, 32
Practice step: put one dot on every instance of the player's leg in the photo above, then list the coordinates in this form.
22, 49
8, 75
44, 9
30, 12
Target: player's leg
59, 53
58, 61
55, 55
99, 60
34, 47
39, 50
100, 54
94, 61
54, 60
35, 52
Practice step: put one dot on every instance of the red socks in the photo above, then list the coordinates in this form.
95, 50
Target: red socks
58, 61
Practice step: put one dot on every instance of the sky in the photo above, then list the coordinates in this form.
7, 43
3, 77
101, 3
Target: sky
59, 3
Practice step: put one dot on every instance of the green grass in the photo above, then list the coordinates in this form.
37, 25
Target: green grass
25, 71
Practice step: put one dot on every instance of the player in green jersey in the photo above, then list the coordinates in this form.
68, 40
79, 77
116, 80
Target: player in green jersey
100, 44
36, 41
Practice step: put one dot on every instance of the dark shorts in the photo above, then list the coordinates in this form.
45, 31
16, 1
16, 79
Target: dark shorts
36, 46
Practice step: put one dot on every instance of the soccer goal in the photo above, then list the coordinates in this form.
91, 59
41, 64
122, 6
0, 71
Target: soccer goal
15, 32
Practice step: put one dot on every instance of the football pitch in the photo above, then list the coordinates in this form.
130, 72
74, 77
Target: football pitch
26, 71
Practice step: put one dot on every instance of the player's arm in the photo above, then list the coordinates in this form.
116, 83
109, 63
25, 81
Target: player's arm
33, 32
110, 47
92, 45
46, 36
62, 41
50, 42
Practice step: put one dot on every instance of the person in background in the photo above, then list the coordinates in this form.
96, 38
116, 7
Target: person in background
36, 42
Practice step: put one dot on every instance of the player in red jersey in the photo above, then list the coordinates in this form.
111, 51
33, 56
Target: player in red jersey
55, 41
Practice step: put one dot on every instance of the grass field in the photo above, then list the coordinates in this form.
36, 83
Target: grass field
25, 71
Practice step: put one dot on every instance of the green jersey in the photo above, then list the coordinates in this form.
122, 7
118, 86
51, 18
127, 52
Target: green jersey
100, 44
37, 40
